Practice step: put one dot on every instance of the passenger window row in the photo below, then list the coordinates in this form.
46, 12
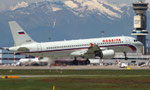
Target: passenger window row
67, 46
58, 47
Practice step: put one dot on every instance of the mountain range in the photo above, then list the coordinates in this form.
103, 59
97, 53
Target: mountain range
71, 19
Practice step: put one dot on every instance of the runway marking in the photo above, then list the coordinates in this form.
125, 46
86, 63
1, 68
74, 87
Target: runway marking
28, 76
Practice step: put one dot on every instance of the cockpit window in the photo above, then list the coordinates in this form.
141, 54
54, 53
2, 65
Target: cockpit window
135, 40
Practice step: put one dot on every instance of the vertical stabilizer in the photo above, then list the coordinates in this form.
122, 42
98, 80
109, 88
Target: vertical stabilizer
19, 35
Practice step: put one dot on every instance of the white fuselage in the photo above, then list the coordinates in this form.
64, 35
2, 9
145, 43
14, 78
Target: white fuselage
65, 48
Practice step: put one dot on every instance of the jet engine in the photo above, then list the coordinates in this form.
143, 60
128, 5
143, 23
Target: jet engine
108, 54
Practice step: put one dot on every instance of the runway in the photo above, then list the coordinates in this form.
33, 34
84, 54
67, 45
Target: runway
89, 67
44, 76
34, 76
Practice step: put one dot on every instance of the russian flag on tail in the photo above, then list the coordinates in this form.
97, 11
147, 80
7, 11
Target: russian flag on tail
21, 33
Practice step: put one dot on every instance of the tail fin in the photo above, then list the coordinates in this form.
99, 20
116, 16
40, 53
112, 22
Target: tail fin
19, 35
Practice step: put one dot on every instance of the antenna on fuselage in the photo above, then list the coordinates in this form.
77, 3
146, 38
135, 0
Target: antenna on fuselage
49, 38
141, 1
102, 33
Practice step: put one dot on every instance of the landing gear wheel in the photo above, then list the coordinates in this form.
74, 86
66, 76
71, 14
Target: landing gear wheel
87, 62
126, 58
75, 61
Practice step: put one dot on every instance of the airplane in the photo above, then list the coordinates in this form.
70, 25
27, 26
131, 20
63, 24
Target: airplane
103, 48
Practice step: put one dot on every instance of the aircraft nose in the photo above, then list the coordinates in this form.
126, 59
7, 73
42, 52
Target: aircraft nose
138, 44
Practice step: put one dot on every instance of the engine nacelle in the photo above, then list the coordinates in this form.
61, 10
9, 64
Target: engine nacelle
108, 53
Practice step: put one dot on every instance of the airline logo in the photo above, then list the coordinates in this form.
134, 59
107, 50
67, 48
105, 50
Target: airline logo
112, 40
21, 33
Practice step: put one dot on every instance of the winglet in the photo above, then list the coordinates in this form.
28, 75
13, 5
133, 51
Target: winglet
92, 45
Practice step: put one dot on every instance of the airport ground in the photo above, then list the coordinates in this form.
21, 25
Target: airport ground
76, 79
82, 77
78, 83
79, 67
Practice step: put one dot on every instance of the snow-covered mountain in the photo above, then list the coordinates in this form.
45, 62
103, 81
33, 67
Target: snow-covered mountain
68, 19
81, 7
19, 5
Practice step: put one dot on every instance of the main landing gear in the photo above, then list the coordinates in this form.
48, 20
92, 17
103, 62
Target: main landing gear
76, 62
87, 61
125, 54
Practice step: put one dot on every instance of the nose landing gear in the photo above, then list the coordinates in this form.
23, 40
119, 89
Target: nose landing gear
125, 54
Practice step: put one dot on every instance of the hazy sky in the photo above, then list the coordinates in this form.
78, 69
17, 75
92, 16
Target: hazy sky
5, 4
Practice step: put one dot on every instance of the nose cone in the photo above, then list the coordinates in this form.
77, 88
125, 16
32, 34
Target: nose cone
139, 46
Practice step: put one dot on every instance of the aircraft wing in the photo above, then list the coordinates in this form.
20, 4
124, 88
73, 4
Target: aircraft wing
79, 52
91, 52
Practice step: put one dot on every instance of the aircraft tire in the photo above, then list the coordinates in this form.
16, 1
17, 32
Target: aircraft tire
87, 61
75, 62
126, 58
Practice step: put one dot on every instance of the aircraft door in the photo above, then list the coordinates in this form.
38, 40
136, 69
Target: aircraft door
127, 40
39, 47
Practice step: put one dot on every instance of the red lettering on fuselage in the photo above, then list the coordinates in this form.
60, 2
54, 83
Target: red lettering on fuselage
111, 40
